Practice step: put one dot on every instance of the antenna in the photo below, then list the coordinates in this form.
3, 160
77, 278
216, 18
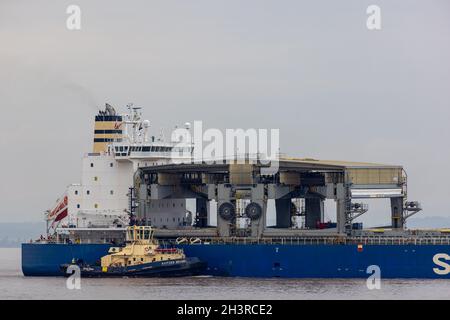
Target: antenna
161, 135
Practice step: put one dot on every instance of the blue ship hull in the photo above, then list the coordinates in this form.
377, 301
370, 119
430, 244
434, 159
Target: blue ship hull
266, 260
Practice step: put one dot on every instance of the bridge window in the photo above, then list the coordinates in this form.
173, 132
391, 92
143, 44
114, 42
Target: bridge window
88, 192
92, 165
78, 206
76, 192
111, 192
111, 164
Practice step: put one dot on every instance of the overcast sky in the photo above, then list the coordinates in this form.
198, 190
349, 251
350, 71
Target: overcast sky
310, 68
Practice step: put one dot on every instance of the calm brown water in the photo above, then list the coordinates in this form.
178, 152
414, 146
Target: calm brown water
13, 285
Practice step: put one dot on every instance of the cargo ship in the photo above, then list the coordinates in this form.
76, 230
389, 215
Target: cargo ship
220, 211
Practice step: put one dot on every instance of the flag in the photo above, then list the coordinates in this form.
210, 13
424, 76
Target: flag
60, 211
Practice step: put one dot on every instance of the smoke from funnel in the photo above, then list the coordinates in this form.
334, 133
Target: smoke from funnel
84, 95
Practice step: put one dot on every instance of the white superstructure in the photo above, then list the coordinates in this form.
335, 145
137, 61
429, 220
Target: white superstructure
121, 145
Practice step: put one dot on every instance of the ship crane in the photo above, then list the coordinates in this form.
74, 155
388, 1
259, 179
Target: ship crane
356, 210
411, 208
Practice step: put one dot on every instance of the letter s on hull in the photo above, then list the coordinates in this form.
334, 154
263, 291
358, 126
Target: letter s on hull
437, 261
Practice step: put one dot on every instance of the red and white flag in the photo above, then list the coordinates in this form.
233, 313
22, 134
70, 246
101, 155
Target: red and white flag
60, 211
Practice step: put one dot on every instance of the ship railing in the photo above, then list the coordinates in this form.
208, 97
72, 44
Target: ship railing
325, 240
375, 240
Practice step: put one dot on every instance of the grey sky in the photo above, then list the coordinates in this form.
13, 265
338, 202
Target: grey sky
311, 68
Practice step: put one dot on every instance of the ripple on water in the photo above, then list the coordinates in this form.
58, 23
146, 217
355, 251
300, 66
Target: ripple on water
15, 286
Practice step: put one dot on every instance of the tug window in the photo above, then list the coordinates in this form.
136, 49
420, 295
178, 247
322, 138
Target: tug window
95, 206
78, 206
88, 192
95, 178
76, 192
92, 165
111, 192
111, 164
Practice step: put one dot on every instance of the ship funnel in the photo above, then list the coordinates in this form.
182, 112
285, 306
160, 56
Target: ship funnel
108, 128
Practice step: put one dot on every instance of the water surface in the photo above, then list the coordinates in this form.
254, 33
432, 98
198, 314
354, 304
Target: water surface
13, 285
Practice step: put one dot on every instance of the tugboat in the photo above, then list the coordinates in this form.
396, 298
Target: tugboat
141, 257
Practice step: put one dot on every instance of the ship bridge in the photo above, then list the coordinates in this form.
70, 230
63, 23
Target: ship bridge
241, 190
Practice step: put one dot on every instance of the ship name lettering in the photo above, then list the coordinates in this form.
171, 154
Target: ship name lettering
445, 267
